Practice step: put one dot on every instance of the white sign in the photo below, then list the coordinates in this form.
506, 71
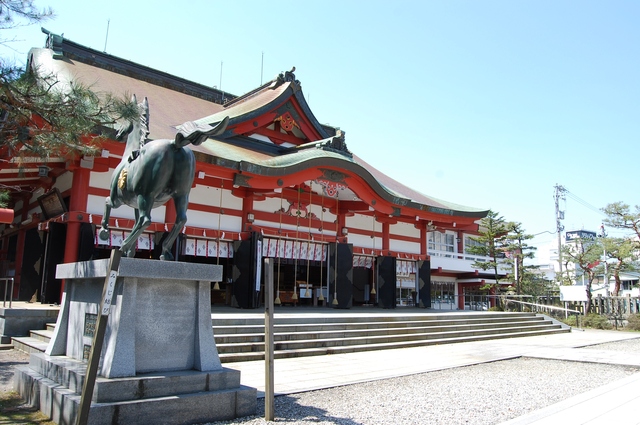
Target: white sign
111, 285
575, 293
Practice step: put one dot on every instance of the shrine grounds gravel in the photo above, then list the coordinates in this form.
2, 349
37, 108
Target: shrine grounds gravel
488, 393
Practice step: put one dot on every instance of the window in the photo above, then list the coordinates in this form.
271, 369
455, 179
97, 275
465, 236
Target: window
443, 295
443, 242
468, 243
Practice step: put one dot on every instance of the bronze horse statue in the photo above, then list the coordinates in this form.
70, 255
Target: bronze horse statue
153, 171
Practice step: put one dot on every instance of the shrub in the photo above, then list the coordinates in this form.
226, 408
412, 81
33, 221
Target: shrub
571, 320
495, 308
633, 322
596, 321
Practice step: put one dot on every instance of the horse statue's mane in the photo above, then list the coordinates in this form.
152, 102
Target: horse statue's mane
138, 138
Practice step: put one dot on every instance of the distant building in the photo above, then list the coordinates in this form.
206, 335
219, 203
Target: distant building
602, 284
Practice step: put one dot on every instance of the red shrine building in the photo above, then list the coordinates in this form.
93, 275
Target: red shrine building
278, 196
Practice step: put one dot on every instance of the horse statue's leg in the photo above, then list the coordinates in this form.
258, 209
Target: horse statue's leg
104, 231
143, 220
112, 201
181, 203
131, 247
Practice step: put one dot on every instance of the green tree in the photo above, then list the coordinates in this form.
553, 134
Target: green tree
46, 118
534, 282
42, 116
621, 216
621, 251
585, 255
517, 250
17, 13
492, 233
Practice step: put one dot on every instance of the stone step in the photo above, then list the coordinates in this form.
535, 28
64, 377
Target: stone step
70, 373
42, 335
344, 340
344, 330
29, 344
318, 351
61, 404
242, 338
229, 320
307, 325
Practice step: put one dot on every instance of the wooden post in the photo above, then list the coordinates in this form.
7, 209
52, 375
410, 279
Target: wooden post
269, 403
98, 337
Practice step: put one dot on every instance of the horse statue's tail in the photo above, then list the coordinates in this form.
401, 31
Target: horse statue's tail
197, 133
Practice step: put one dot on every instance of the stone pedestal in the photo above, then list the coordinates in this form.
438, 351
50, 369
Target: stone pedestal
159, 362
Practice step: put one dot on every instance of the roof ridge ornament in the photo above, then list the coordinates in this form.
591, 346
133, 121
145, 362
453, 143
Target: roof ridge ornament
54, 43
286, 77
336, 144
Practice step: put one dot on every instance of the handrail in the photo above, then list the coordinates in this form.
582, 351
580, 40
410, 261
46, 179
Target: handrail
549, 307
7, 280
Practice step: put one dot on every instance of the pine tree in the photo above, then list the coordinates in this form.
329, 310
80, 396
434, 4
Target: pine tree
585, 255
516, 250
621, 216
622, 252
40, 116
492, 233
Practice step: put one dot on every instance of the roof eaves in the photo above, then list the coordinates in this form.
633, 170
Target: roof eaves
74, 51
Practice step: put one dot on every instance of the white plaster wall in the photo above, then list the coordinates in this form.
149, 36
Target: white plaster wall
270, 205
64, 181
207, 195
95, 205
101, 180
363, 222
404, 229
210, 220
35, 195
404, 246
364, 241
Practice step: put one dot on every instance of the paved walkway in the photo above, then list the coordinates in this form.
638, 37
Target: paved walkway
614, 400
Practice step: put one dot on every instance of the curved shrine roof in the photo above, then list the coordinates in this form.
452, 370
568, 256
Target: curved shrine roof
174, 101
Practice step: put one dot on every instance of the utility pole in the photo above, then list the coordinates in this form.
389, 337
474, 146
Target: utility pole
560, 191
603, 235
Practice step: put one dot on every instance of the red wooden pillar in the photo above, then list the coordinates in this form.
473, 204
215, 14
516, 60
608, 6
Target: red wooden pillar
341, 223
385, 236
247, 208
460, 296
423, 238
20, 247
77, 203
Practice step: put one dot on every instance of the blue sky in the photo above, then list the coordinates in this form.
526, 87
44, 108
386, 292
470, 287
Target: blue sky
483, 103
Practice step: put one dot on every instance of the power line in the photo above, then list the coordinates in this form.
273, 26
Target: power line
584, 203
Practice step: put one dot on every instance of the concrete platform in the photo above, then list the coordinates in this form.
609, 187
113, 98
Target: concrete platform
22, 317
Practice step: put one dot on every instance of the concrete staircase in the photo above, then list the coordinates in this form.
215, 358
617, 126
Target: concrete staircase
241, 338
37, 340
